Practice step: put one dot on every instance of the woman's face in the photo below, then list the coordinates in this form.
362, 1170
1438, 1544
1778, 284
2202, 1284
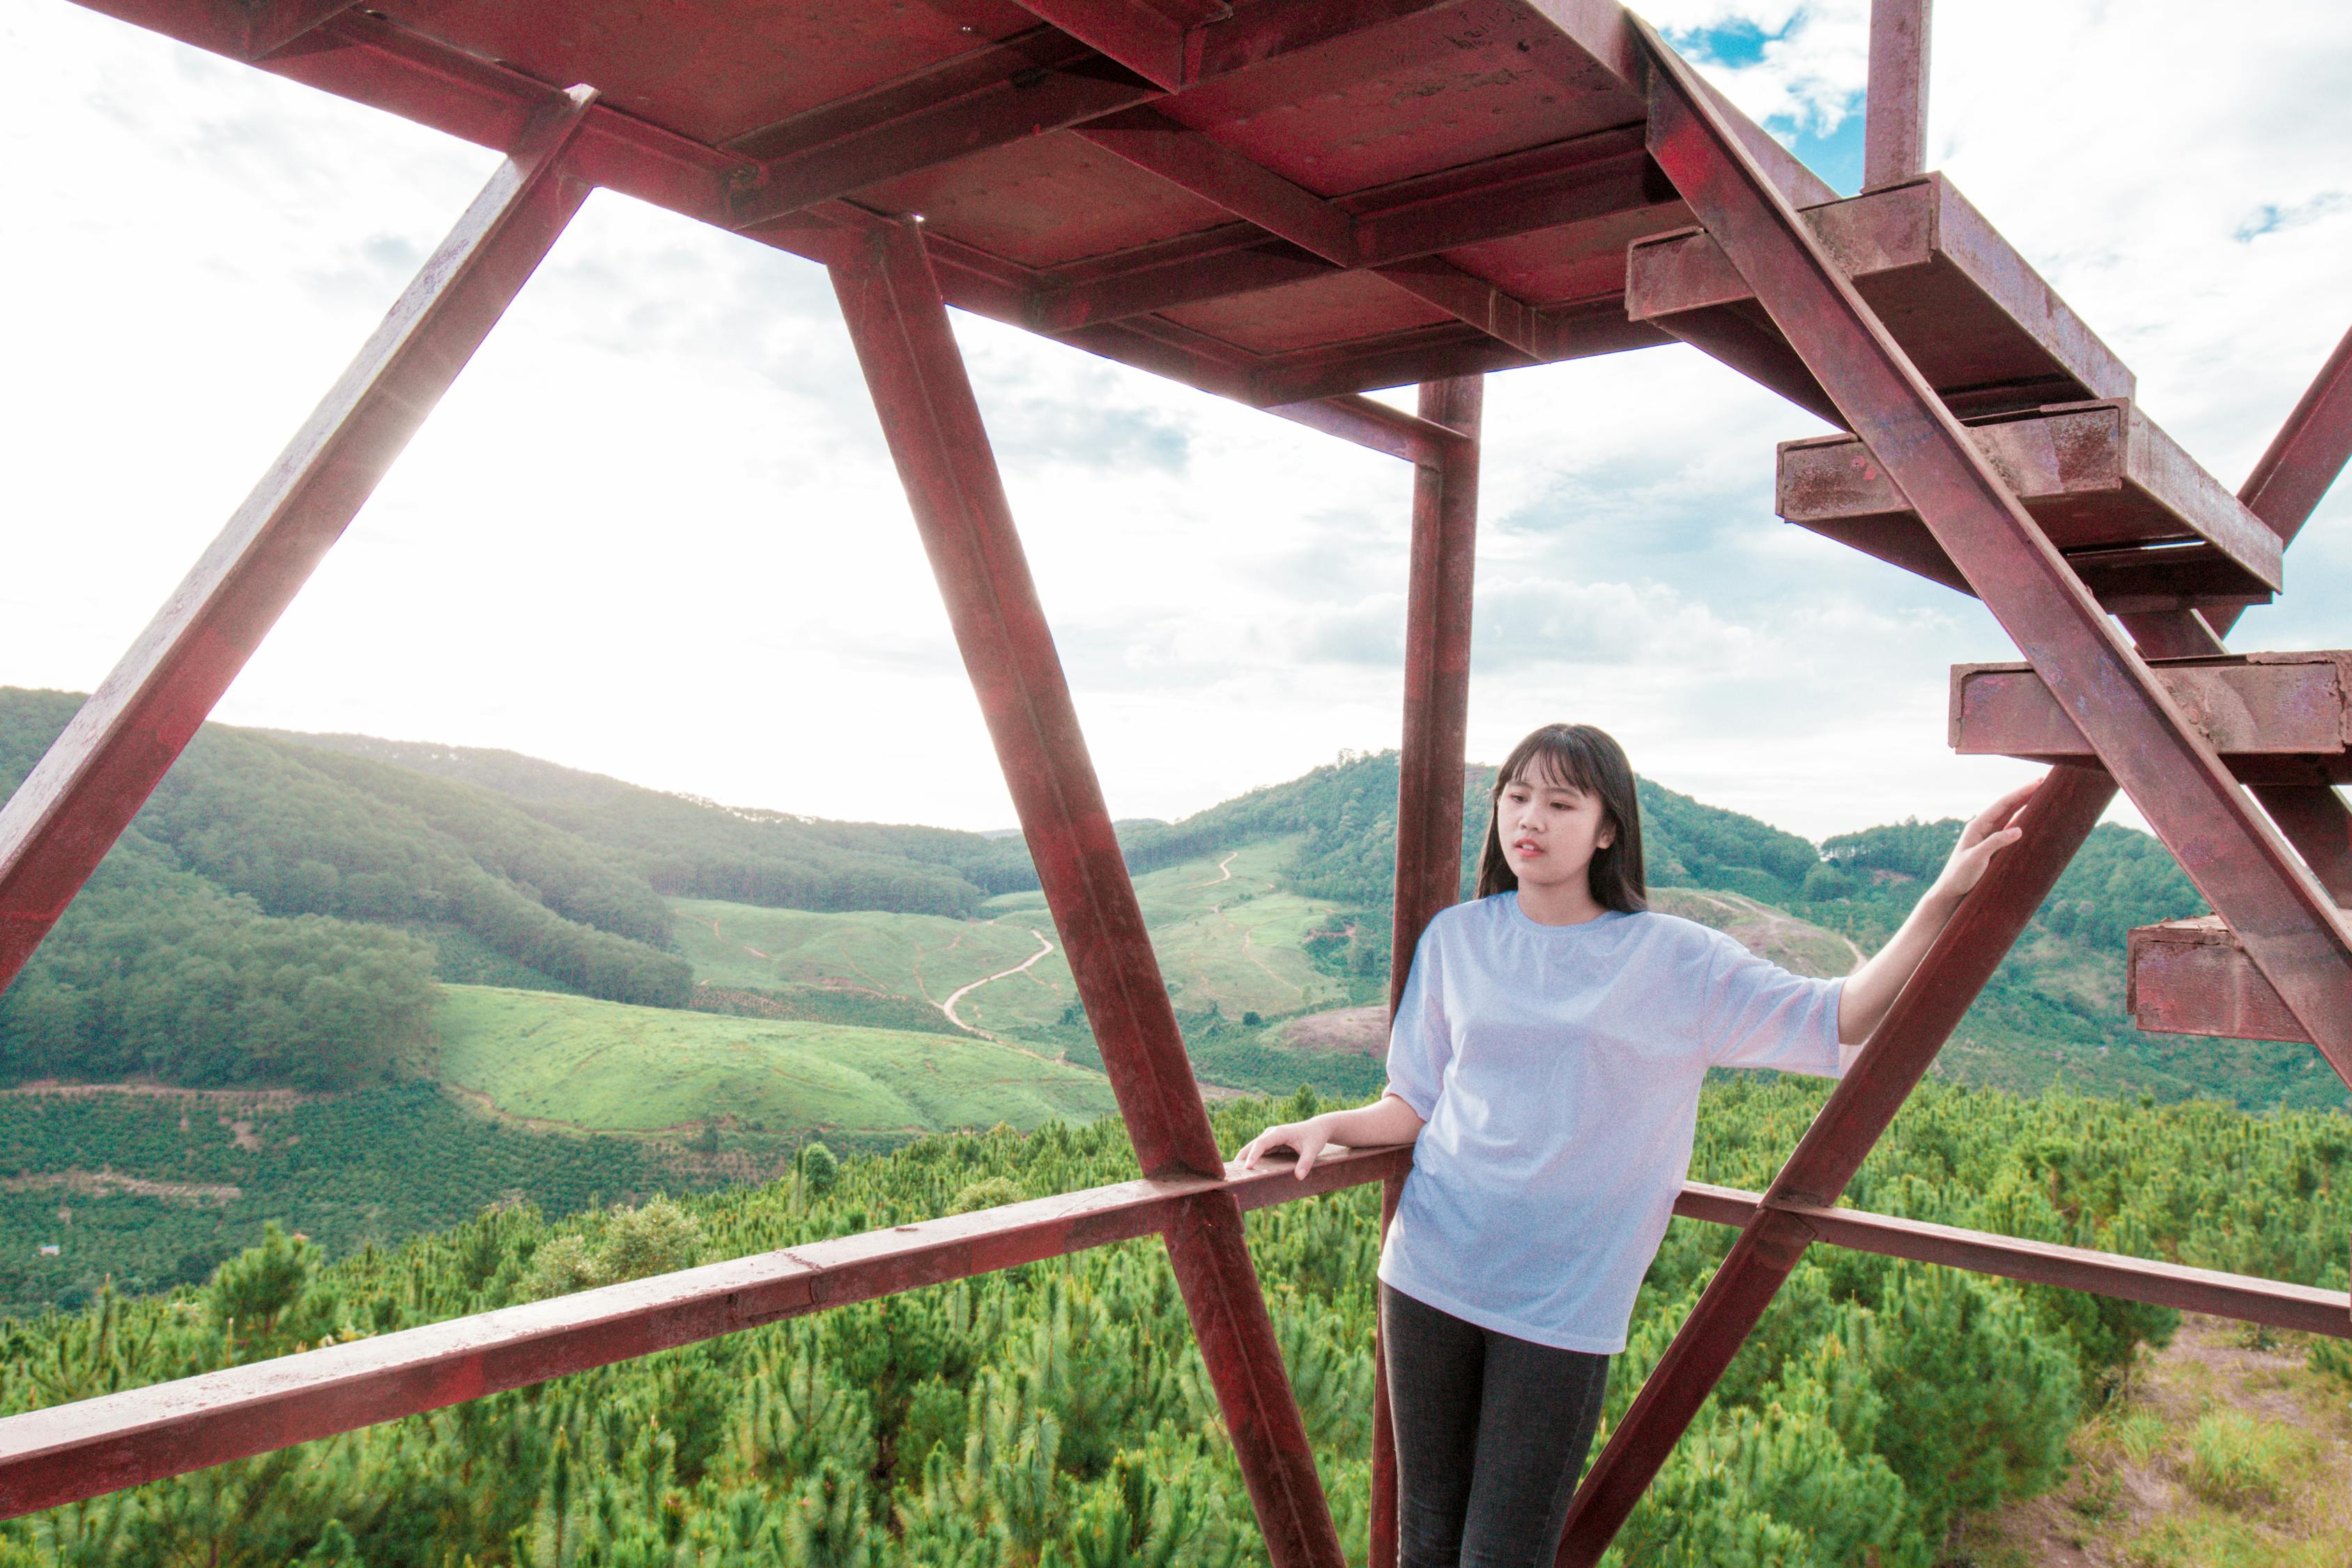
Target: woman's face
1550, 829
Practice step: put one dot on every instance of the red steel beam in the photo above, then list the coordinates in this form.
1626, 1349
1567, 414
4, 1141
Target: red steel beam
1429, 778
898, 323
2060, 816
1200, 164
1148, 42
84, 792
2245, 869
1436, 673
69, 1452
1367, 422
1894, 110
1027, 87
2303, 1307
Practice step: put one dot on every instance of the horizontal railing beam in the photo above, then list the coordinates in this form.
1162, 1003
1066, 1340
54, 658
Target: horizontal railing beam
69, 1452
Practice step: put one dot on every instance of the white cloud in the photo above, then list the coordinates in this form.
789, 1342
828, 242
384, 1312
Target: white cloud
654, 532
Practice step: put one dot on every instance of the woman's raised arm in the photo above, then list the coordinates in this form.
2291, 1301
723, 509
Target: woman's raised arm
1871, 989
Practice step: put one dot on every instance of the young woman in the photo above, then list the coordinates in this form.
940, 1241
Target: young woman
1545, 1062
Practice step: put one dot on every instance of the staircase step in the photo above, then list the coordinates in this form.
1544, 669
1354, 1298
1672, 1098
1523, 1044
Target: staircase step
1983, 328
2275, 718
2193, 977
2144, 525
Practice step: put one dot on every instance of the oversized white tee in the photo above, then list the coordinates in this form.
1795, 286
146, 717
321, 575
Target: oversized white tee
1558, 1068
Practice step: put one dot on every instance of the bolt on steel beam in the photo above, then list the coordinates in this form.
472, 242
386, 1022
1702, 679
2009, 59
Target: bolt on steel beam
86, 789
923, 395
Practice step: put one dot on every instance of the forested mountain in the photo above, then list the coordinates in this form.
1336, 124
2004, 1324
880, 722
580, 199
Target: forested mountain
698, 850
276, 891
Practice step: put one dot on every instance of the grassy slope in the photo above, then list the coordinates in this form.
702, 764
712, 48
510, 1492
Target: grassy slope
1224, 932
2223, 1450
612, 1067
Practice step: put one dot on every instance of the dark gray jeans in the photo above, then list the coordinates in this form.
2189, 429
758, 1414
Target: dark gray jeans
1491, 1435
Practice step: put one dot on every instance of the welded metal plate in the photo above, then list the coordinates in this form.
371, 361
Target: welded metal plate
2192, 977
1984, 329
2100, 478
2275, 718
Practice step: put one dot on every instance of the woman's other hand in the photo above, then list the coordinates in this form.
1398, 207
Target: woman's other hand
1991, 830
1307, 1139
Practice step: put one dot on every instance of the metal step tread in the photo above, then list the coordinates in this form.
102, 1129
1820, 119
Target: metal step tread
2275, 718
2142, 524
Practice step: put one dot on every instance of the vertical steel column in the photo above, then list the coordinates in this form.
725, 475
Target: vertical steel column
84, 792
891, 302
1436, 673
1428, 777
1894, 110
2060, 816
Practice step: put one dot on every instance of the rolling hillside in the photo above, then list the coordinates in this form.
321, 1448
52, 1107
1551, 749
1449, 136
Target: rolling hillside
582, 1065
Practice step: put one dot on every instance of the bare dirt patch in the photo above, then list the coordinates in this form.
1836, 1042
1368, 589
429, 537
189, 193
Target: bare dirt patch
1353, 1031
103, 1184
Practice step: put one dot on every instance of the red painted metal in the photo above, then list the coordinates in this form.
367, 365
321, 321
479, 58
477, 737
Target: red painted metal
2303, 1307
2060, 816
1382, 426
1148, 42
73, 1451
2275, 718
899, 325
1429, 776
79, 798
1436, 674
2309, 451
2238, 861
1380, 1548
70, 1452
2192, 977
1895, 121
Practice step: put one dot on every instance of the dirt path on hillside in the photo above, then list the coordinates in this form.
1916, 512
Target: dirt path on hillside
231, 1099
1044, 949
103, 1184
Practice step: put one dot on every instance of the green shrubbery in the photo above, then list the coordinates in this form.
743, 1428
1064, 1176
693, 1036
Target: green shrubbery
1060, 1412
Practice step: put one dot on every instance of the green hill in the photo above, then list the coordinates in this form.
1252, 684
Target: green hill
600, 1066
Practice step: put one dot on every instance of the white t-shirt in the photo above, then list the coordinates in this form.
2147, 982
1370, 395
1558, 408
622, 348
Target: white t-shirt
1558, 1070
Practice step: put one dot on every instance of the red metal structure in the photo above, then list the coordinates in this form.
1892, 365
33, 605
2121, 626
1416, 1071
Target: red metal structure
1290, 203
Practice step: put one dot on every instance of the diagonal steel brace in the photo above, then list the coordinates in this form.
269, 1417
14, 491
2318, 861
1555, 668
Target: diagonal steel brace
890, 299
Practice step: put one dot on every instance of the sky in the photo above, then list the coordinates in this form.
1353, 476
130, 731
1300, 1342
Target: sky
653, 531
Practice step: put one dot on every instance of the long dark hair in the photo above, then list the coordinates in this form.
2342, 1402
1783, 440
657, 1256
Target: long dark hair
1588, 758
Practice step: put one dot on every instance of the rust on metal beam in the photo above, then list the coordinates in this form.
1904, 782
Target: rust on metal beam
2193, 977
898, 323
86, 789
2275, 718
1894, 110
2099, 478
